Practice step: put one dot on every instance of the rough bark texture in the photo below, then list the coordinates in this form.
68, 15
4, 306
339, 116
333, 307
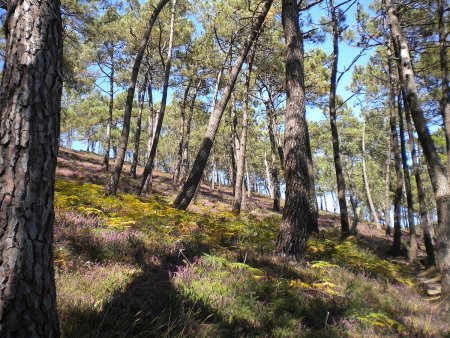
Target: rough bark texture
436, 170
409, 198
387, 198
184, 198
298, 211
148, 170
115, 176
137, 136
427, 229
345, 228
29, 129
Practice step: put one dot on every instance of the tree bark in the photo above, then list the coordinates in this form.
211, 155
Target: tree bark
427, 229
366, 181
270, 112
110, 111
111, 188
148, 170
240, 165
137, 136
30, 103
345, 228
181, 133
184, 198
397, 161
387, 198
298, 211
436, 170
409, 198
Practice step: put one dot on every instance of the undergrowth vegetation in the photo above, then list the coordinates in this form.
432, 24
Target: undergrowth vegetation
135, 267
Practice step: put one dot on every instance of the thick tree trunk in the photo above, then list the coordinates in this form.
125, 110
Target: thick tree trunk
366, 181
409, 198
30, 103
387, 198
111, 188
110, 112
148, 170
137, 136
181, 134
184, 198
298, 210
427, 229
345, 228
240, 165
397, 162
436, 170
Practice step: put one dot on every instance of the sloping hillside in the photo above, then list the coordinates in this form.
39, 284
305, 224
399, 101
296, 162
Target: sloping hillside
130, 266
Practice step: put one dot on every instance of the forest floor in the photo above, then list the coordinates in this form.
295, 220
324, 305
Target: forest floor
130, 266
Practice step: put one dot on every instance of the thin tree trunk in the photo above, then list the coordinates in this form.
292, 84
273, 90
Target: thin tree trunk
397, 162
268, 177
345, 228
113, 184
137, 136
185, 162
366, 181
234, 141
184, 198
30, 103
298, 210
110, 112
436, 170
240, 165
427, 229
148, 170
409, 198
181, 133
150, 125
387, 198
270, 112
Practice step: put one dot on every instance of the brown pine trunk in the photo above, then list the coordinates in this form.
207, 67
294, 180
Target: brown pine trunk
234, 142
181, 134
30, 105
396, 249
148, 170
240, 165
427, 229
387, 198
184, 198
345, 228
298, 209
409, 198
436, 170
111, 188
137, 136
366, 181
110, 112
270, 112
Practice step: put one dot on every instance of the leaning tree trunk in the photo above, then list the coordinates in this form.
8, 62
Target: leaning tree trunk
137, 136
30, 103
110, 112
427, 229
184, 198
366, 181
298, 210
397, 162
436, 170
111, 188
240, 165
409, 198
181, 134
148, 170
345, 228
